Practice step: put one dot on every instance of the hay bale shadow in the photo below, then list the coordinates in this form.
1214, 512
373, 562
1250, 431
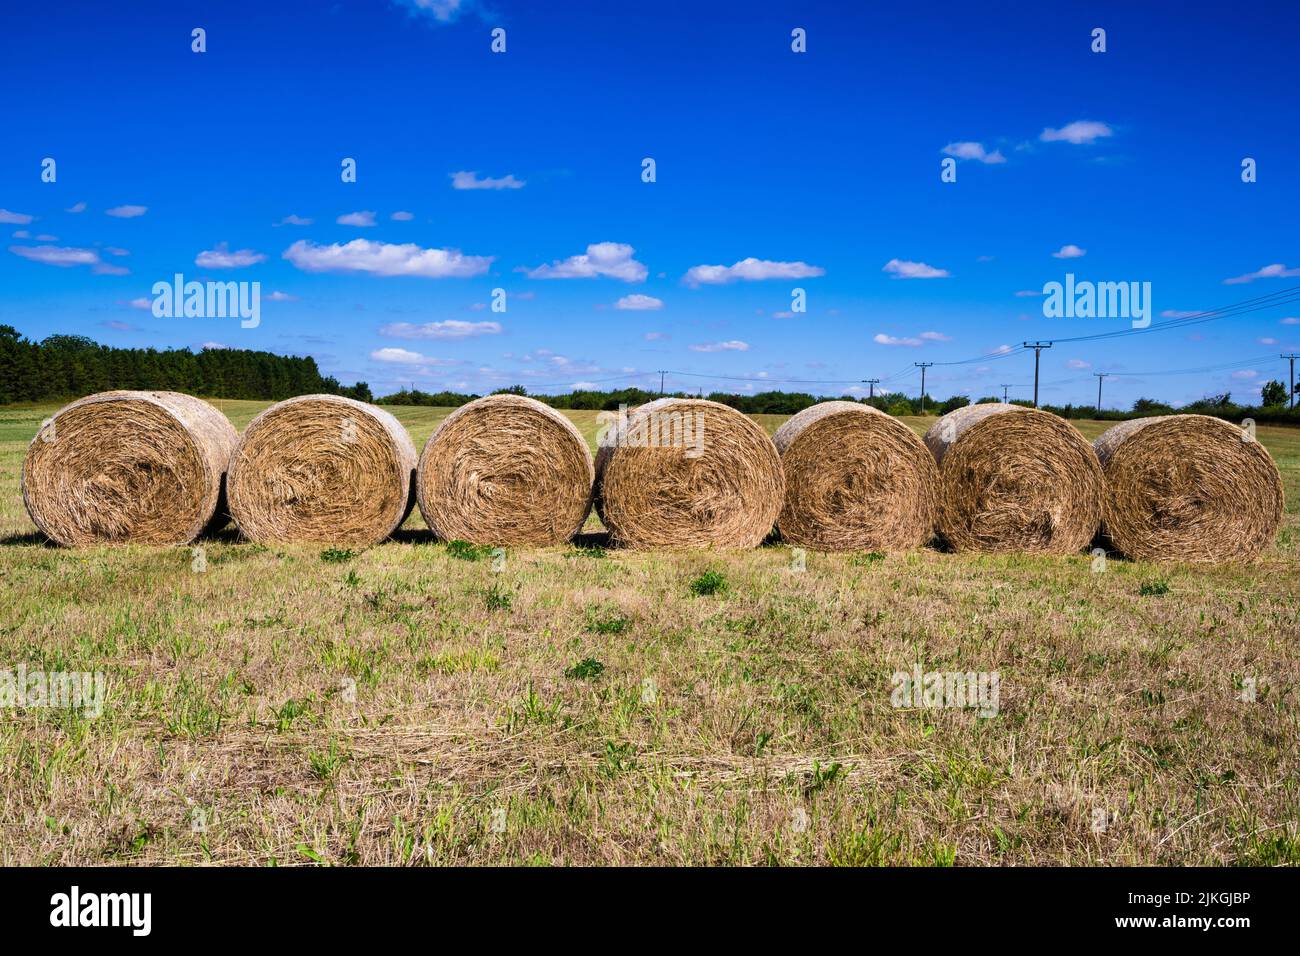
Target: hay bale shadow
592, 539
30, 537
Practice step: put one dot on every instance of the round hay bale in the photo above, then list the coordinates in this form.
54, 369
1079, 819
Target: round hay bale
1188, 488
684, 472
505, 470
856, 479
322, 468
123, 466
1015, 479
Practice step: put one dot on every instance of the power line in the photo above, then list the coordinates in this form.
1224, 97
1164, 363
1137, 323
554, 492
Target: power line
775, 381
998, 353
1245, 307
594, 381
1236, 363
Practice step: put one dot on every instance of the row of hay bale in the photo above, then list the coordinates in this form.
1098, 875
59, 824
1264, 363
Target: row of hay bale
161, 467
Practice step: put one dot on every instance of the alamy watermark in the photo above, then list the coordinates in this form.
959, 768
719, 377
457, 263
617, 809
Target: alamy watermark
208, 300
62, 690
947, 689
657, 428
1098, 300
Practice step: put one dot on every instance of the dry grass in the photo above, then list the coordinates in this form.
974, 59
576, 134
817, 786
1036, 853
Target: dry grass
410, 704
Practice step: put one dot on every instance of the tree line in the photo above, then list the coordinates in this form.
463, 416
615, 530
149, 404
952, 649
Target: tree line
893, 403
70, 366
64, 367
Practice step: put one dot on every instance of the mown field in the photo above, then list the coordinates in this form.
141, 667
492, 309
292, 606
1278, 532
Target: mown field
417, 704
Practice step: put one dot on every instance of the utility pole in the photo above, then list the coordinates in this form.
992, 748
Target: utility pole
1004, 393
922, 366
872, 382
1291, 395
661, 383
1100, 376
1038, 348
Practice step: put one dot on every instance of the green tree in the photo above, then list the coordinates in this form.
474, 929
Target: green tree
1273, 393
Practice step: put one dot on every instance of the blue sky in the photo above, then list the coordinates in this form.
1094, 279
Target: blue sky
821, 167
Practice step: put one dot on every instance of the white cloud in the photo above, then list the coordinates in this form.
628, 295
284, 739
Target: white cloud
47, 238
399, 356
386, 259
141, 303
126, 212
935, 337
1027, 293
214, 345
402, 216
1078, 363
1291, 320
16, 218
1245, 374
734, 345
1079, 132
1177, 314
611, 259
1003, 350
278, 296
656, 336
904, 269
1069, 251
448, 329
76, 207
1275, 271
222, 258
364, 218
115, 251
557, 364
639, 303
1268, 341
62, 256
750, 270
22, 234
584, 386
974, 151
443, 11
294, 221
471, 180
880, 338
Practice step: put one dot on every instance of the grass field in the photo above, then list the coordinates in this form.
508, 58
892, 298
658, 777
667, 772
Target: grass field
417, 704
